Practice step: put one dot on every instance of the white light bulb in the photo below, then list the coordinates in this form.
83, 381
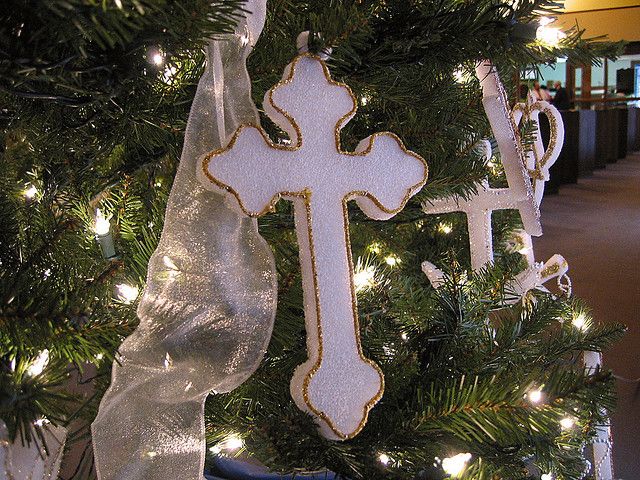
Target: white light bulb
535, 396
549, 35
30, 192
445, 228
102, 224
157, 58
216, 449
38, 364
404, 337
461, 75
232, 442
127, 293
546, 476
567, 422
455, 465
580, 322
99, 356
392, 260
384, 459
364, 278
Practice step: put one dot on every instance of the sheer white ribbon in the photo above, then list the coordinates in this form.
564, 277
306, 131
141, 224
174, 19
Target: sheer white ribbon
207, 311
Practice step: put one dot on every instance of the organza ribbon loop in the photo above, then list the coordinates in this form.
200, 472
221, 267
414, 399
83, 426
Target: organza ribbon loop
208, 308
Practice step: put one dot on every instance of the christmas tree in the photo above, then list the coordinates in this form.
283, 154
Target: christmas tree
95, 97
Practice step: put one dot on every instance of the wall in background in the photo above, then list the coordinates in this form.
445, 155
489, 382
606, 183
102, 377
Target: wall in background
618, 19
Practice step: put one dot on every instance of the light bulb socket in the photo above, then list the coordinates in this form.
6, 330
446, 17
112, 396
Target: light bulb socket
106, 245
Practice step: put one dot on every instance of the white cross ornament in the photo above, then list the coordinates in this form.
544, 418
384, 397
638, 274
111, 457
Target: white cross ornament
519, 195
337, 384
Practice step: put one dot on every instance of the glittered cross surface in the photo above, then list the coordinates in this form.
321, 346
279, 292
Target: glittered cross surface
337, 384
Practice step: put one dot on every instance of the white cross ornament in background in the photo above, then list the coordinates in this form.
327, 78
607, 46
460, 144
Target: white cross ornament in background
337, 384
519, 194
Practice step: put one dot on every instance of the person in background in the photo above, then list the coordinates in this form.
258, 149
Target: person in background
546, 96
561, 101
537, 93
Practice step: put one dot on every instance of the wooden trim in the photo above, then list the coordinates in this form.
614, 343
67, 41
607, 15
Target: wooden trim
585, 84
606, 78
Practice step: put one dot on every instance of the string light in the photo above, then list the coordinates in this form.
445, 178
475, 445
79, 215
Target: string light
567, 422
461, 75
392, 260
157, 57
39, 364
230, 443
455, 465
580, 322
127, 293
546, 476
549, 35
30, 193
364, 277
445, 228
102, 229
102, 225
384, 459
535, 396
404, 337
